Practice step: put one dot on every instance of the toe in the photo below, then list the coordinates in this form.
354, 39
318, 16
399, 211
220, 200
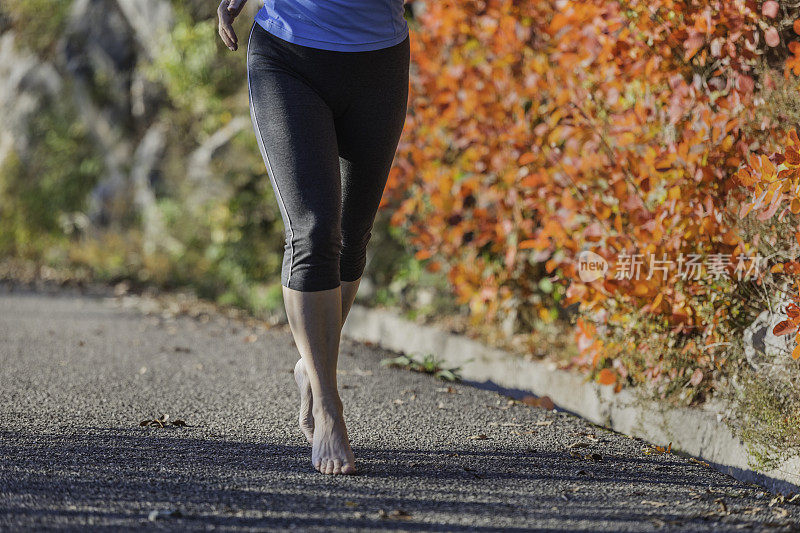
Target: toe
348, 468
337, 466
329, 467
318, 465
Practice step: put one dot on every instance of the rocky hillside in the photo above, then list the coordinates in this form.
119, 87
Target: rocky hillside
126, 146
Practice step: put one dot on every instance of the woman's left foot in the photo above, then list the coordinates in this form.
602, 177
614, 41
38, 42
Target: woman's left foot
331, 452
306, 418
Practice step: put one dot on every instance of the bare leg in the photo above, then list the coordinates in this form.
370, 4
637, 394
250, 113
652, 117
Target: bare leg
306, 419
315, 319
349, 289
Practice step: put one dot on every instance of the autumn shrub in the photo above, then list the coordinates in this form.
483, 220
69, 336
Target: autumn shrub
541, 130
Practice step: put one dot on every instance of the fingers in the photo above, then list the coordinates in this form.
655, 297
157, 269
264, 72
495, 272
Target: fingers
225, 26
228, 36
234, 6
232, 36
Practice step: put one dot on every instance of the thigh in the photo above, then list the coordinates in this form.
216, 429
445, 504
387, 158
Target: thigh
297, 138
368, 134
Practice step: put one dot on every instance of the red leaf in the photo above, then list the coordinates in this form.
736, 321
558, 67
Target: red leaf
783, 328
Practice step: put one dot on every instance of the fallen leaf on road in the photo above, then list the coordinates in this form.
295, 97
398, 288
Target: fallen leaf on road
251, 338
776, 500
654, 504
658, 449
397, 514
449, 390
162, 422
586, 434
780, 512
544, 402
543, 423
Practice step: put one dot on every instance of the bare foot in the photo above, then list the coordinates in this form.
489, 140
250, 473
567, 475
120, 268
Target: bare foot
306, 419
330, 451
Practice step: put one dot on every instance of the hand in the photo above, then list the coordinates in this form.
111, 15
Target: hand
228, 10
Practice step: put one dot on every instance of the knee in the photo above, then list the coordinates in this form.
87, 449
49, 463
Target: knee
354, 255
314, 257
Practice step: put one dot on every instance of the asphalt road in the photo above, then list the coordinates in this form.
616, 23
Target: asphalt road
79, 374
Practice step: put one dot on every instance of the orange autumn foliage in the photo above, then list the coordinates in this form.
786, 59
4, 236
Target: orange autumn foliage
539, 129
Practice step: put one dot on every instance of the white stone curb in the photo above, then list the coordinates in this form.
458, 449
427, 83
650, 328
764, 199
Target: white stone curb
696, 432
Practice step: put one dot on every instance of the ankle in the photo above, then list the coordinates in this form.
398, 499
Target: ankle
327, 406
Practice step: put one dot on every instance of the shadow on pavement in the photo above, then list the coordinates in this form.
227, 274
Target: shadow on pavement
117, 477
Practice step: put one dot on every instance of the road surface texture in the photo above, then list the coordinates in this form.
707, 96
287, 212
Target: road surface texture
78, 374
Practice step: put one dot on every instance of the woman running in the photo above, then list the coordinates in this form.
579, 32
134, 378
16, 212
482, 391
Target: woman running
328, 84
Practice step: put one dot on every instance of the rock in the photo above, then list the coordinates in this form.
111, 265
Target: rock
25, 82
150, 21
762, 348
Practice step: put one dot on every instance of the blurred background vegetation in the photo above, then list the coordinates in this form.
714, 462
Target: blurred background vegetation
127, 154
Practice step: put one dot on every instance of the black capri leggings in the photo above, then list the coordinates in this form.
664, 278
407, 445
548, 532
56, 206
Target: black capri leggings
327, 124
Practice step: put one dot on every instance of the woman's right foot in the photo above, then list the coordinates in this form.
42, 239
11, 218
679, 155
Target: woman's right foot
330, 451
306, 418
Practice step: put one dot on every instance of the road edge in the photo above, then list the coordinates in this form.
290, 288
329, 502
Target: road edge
700, 433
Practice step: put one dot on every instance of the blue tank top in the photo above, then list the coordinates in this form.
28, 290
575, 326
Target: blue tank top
343, 25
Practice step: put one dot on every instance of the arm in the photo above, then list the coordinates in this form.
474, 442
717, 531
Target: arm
227, 12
